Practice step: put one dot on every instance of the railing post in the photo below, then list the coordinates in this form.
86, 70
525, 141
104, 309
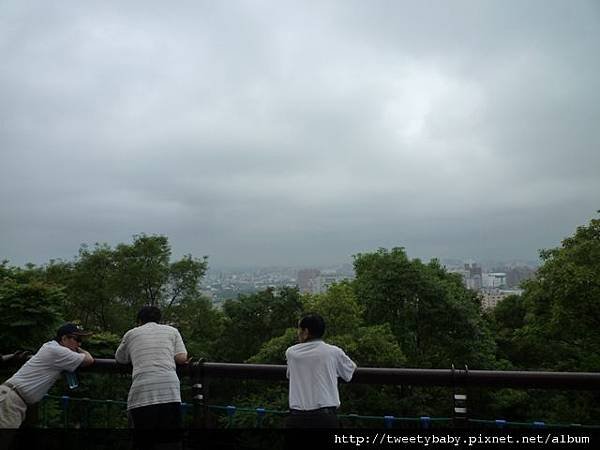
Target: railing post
88, 407
199, 394
45, 411
184, 411
64, 403
460, 410
389, 421
459, 401
230, 415
108, 412
260, 417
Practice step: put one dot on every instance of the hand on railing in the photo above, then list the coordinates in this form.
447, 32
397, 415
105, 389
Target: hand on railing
193, 360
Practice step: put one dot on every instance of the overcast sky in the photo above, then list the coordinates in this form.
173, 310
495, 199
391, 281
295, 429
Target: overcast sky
298, 132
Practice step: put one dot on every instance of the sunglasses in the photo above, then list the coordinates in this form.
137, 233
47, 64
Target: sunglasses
77, 338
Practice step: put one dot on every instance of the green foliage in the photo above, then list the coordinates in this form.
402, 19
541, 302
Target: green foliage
254, 319
183, 278
510, 404
142, 270
102, 344
339, 307
385, 284
553, 326
200, 325
367, 345
105, 287
507, 320
29, 313
92, 290
436, 320
273, 351
372, 346
563, 304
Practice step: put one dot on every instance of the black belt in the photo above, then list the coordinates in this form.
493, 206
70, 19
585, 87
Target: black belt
314, 412
13, 388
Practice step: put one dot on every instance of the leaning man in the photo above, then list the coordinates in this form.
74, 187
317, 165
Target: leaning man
35, 378
154, 400
313, 368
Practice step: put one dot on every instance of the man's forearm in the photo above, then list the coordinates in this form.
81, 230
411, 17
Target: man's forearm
181, 358
88, 358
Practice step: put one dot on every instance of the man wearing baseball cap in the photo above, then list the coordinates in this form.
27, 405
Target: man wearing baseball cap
35, 378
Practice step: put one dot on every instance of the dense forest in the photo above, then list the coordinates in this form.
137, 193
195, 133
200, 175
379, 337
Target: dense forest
397, 312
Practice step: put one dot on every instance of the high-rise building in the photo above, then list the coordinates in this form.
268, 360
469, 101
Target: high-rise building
494, 280
475, 280
307, 279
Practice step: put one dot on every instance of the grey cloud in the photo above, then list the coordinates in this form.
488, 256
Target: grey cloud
294, 132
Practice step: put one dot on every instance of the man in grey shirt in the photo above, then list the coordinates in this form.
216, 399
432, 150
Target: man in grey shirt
154, 400
35, 378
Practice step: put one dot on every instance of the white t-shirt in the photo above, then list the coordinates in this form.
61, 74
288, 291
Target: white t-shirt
35, 378
151, 349
313, 368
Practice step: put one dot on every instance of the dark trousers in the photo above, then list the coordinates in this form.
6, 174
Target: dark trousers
317, 418
157, 426
164, 416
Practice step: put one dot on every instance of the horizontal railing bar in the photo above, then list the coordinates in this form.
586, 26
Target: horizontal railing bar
394, 376
375, 375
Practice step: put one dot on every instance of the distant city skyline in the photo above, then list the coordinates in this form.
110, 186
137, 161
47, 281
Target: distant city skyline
449, 262
492, 286
298, 133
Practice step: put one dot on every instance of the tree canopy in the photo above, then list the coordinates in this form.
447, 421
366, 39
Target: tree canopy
562, 304
436, 320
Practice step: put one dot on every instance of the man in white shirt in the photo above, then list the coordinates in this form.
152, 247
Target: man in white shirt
154, 400
35, 378
313, 368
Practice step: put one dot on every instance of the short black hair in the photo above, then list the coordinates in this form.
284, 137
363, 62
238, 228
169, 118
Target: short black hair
149, 314
314, 323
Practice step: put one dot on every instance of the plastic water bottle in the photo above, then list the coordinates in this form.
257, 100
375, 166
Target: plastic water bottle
72, 380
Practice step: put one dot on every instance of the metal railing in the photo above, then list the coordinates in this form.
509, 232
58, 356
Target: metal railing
394, 376
372, 375
201, 374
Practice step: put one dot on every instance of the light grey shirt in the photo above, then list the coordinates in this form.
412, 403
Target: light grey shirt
313, 369
35, 378
151, 349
